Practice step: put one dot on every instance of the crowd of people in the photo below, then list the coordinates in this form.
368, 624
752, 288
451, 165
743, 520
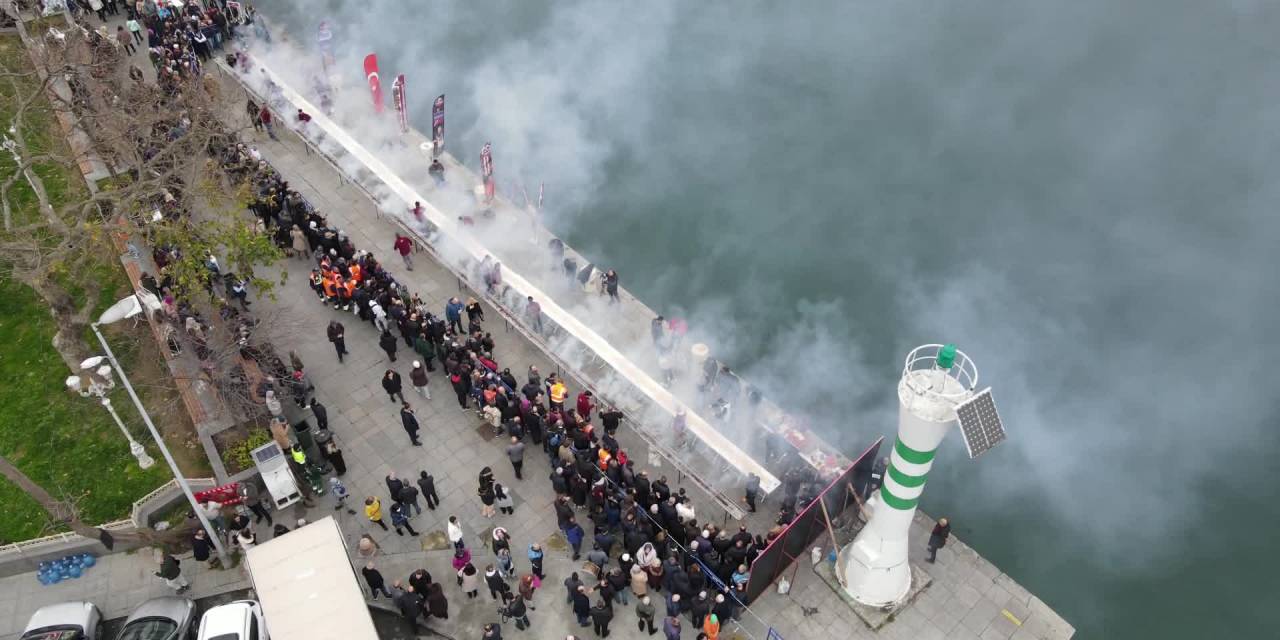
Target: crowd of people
645, 538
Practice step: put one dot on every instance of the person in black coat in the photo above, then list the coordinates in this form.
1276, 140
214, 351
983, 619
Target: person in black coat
410, 422
516, 609
320, 412
421, 581
394, 485
601, 615
375, 581
582, 606
391, 384
410, 607
437, 604
427, 485
337, 335
938, 538
202, 547
388, 344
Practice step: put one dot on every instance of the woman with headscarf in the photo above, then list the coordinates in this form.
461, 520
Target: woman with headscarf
502, 499
437, 605
487, 496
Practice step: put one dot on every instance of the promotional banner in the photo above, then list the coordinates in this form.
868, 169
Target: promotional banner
541, 186
375, 84
402, 106
324, 39
437, 126
486, 170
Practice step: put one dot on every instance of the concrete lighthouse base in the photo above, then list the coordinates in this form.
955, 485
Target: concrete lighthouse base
875, 617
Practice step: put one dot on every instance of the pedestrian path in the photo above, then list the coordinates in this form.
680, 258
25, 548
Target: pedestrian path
118, 583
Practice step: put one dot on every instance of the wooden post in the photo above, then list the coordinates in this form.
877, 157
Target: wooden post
866, 517
834, 543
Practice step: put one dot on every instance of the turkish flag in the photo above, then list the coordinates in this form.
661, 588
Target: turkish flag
375, 85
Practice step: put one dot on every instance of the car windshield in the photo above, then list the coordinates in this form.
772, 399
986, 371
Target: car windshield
148, 629
225, 636
54, 633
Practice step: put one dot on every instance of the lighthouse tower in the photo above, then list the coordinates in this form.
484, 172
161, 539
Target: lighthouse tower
936, 391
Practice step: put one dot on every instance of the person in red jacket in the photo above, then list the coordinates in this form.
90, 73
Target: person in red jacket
404, 246
264, 116
586, 404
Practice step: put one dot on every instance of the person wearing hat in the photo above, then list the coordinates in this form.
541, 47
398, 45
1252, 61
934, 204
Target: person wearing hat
418, 377
938, 538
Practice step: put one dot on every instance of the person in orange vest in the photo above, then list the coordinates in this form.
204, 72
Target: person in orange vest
357, 273
558, 393
345, 292
331, 288
711, 627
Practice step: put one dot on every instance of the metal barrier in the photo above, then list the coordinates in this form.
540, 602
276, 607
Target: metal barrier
517, 320
809, 524
138, 515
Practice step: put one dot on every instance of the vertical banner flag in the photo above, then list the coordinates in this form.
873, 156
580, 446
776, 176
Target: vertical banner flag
324, 83
541, 186
437, 126
375, 84
402, 107
486, 170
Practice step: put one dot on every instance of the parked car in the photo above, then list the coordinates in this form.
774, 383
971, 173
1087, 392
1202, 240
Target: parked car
239, 620
65, 621
165, 618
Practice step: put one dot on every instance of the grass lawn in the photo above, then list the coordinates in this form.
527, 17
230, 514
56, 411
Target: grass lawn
68, 444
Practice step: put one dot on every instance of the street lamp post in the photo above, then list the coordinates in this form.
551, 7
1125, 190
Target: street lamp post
99, 379
144, 460
129, 307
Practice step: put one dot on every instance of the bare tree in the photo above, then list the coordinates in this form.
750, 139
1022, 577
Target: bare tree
160, 147
64, 512
155, 143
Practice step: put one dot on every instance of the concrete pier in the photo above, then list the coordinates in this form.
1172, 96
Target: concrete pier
967, 597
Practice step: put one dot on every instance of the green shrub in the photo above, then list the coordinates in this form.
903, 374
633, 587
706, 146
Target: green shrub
241, 453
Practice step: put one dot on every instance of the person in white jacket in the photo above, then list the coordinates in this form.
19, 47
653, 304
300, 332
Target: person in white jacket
455, 533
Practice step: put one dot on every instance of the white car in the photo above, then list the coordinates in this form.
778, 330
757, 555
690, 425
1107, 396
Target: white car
239, 620
65, 621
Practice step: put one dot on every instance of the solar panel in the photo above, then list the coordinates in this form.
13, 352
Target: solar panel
980, 423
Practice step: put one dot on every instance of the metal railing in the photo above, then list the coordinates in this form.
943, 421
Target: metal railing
136, 519
517, 320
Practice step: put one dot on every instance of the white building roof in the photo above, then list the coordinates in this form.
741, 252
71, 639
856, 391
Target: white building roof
307, 587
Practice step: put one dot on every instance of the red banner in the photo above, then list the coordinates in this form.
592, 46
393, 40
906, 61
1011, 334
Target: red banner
402, 106
486, 170
375, 84
437, 126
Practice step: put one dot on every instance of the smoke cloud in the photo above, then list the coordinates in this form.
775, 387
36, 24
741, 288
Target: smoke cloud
1079, 195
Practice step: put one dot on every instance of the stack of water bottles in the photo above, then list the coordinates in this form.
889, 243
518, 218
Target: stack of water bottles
72, 566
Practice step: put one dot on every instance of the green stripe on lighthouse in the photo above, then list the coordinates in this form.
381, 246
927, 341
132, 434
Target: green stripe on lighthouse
911, 455
895, 502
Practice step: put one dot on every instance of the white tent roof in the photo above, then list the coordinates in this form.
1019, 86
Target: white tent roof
307, 588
